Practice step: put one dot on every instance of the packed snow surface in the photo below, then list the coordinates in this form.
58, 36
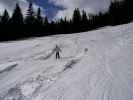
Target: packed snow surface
95, 65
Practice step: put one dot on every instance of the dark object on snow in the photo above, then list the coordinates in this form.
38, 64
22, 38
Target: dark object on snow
71, 64
57, 55
57, 51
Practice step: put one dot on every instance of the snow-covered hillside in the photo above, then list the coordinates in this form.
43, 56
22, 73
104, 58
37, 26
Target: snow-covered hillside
95, 65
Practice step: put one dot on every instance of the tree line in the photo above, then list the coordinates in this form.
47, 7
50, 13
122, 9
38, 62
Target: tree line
34, 24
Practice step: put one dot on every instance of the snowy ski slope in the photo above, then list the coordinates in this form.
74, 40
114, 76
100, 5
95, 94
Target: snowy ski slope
95, 65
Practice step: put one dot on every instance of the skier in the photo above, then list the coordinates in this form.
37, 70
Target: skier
57, 51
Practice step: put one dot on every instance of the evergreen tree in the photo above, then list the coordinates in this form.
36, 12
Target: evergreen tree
128, 5
39, 17
119, 12
76, 16
76, 20
30, 21
84, 16
46, 25
5, 17
4, 26
17, 17
30, 18
84, 21
52, 27
46, 20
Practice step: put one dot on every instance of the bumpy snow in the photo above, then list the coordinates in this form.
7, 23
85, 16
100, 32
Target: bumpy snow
95, 65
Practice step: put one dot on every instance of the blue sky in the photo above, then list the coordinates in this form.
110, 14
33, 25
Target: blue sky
54, 9
49, 8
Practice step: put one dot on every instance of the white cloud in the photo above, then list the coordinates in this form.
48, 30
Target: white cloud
10, 4
90, 6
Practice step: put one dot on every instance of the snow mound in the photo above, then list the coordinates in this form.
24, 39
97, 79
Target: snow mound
7, 66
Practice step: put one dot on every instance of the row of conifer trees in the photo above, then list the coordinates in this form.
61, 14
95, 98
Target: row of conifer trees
33, 24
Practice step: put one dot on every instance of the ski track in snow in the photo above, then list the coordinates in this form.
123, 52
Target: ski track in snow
95, 65
32, 85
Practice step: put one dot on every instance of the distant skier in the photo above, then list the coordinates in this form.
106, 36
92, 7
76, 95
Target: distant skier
57, 51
